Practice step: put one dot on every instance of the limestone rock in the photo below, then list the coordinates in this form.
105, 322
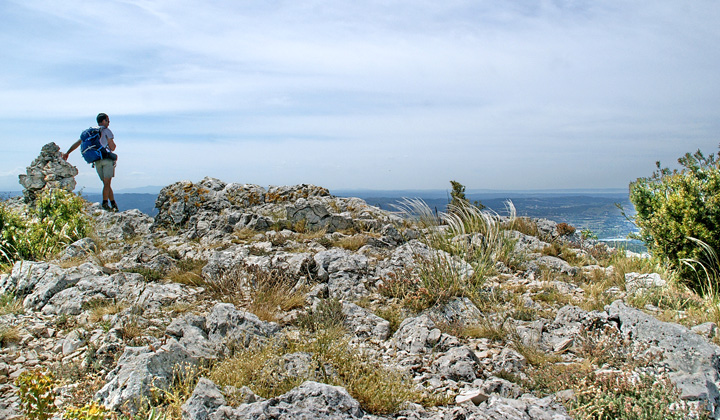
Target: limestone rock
458, 364
123, 225
48, 171
458, 311
554, 264
205, 400
311, 400
694, 360
364, 323
345, 272
139, 370
419, 335
636, 283
225, 324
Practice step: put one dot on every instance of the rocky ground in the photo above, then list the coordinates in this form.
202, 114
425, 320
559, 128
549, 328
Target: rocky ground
163, 311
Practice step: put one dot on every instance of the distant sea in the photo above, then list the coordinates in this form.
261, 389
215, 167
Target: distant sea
594, 210
599, 211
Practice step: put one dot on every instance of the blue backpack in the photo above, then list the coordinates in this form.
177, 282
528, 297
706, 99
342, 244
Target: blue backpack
90, 146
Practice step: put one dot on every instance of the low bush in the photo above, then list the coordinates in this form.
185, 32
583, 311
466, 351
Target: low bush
36, 390
564, 229
675, 205
56, 220
630, 396
326, 315
89, 411
610, 382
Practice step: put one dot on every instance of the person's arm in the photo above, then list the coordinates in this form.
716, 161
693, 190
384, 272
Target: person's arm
73, 147
111, 144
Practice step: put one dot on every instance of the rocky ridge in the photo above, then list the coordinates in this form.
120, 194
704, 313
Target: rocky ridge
331, 248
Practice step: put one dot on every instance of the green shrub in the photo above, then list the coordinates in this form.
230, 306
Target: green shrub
673, 205
56, 220
36, 392
90, 411
13, 238
458, 196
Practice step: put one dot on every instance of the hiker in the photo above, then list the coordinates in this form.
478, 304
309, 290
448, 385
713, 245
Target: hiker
105, 165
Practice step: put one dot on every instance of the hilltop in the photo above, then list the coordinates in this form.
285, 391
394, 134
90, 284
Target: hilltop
238, 301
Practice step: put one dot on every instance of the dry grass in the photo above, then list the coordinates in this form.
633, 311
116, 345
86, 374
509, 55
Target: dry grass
523, 225
533, 355
393, 313
311, 235
188, 272
99, 308
8, 335
490, 330
180, 307
185, 377
378, 389
244, 234
10, 305
463, 237
352, 243
267, 294
131, 331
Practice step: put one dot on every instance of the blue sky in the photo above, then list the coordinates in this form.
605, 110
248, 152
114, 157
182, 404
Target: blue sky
363, 94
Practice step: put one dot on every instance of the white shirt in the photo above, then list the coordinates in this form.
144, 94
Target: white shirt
106, 134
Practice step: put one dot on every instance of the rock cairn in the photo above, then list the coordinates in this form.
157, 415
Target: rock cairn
49, 170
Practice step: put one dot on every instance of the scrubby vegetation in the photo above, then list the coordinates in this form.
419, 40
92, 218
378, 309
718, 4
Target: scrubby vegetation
56, 220
677, 210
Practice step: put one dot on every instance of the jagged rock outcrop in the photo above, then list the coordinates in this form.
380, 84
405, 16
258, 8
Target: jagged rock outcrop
420, 335
48, 171
364, 323
212, 208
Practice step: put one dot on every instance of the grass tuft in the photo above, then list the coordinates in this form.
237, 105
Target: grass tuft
266, 293
463, 243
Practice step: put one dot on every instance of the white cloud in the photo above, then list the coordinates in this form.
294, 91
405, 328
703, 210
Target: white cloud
400, 93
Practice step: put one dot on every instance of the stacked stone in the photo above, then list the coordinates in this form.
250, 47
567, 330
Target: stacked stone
48, 171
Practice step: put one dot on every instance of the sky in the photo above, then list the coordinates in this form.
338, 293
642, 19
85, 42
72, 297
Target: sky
506, 95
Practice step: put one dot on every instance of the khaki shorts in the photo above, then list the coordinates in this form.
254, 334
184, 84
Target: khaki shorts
105, 168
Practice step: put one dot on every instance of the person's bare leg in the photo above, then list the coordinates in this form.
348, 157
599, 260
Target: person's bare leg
107, 190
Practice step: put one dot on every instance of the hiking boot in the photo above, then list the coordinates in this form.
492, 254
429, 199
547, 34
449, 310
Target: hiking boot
114, 208
107, 207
